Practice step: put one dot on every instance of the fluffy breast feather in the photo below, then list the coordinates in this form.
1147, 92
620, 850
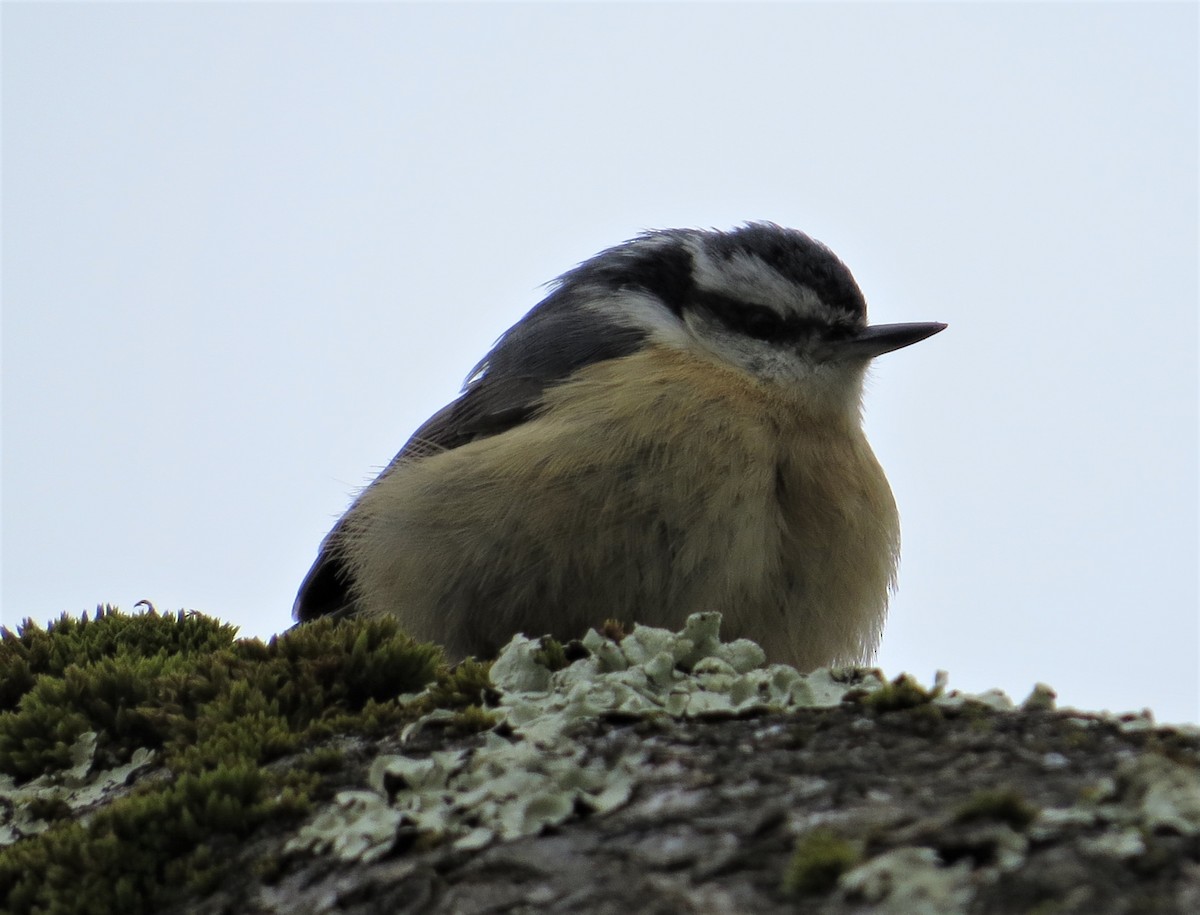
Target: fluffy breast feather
645, 488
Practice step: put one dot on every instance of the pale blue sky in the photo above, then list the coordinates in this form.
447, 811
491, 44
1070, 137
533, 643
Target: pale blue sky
249, 248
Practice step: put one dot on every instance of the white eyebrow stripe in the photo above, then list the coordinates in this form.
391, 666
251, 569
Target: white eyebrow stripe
747, 278
644, 311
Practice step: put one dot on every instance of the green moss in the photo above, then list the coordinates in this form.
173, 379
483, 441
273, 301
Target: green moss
323, 759
32, 651
112, 696
375, 719
235, 696
49, 808
345, 663
819, 858
132, 855
218, 710
550, 655
1003, 805
40, 738
902, 693
472, 720
467, 683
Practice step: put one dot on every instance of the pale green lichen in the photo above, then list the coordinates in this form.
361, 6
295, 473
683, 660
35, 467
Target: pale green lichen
538, 775
910, 881
70, 790
1163, 794
1150, 794
500, 790
1040, 698
357, 825
1122, 844
995, 699
657, 672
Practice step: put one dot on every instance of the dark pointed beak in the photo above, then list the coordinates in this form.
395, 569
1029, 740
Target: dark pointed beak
884, 338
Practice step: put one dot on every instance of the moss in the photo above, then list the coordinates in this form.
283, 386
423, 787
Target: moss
346, 663
614, 630
236, 699
31, 651
472, 720
134, 853
218, 709
902, 693
40, 739
1003, 805
819, 858
323, 759
112, 696
467, 683
375, 719
49, 808
550, 655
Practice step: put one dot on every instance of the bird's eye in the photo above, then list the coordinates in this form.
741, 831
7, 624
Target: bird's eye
755, 321
761, 323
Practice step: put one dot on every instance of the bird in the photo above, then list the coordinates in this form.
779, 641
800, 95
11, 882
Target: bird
675, 427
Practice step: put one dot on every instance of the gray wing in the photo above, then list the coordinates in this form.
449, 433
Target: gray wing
504, 390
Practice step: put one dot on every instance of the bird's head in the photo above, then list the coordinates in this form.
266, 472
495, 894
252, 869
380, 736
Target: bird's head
769, 300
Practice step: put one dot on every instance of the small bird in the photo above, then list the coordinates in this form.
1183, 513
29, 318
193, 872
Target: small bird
675, 427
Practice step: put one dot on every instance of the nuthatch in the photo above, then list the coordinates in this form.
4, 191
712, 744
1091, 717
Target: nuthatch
676, 427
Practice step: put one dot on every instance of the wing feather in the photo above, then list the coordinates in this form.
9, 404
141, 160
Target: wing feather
505, 390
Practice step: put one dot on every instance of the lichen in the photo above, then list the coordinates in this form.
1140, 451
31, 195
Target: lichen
537, 774
1160, 794
1122, 818
910, 881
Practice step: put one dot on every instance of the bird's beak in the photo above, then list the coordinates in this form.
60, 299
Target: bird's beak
884, 338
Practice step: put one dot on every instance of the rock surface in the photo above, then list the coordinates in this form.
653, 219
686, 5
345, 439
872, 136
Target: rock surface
674, 774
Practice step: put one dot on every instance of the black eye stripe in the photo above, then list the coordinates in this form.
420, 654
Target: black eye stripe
761, 322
